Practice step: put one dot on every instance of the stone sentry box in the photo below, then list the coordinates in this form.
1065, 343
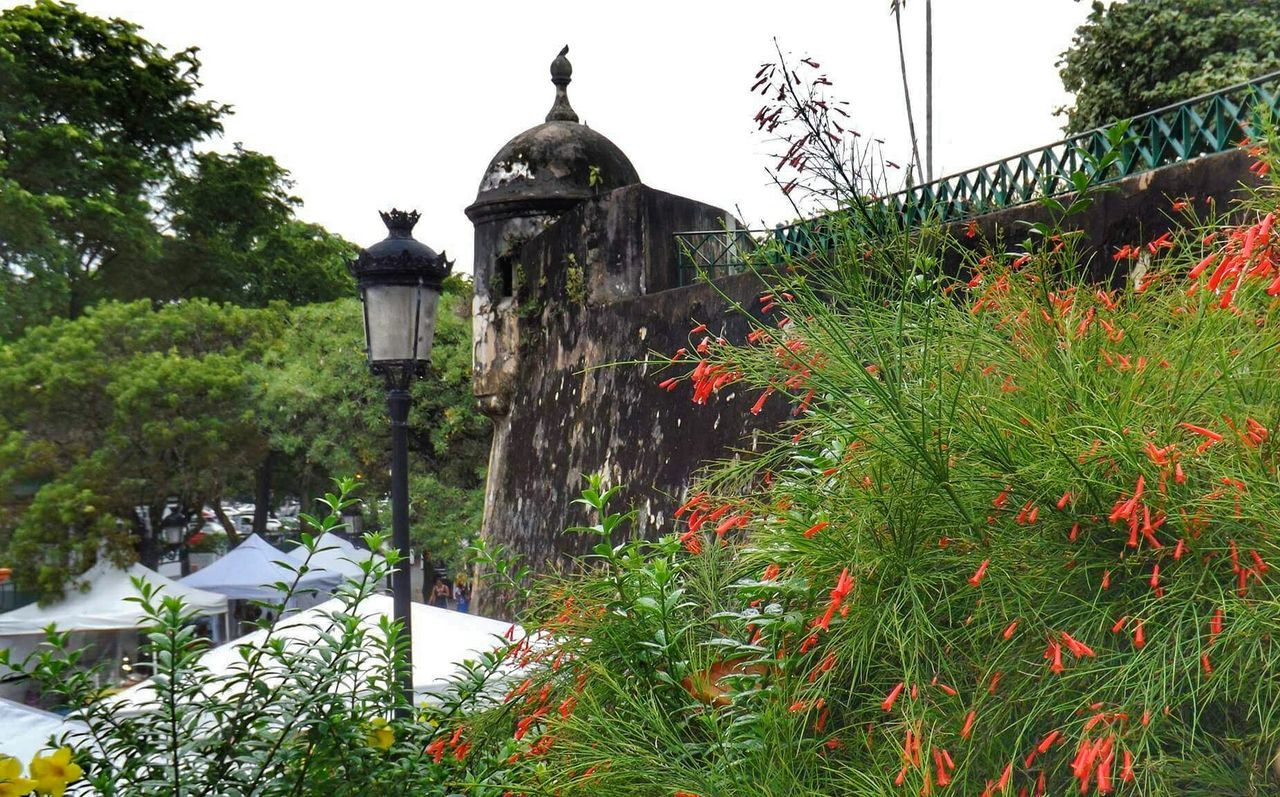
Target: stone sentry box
574, 284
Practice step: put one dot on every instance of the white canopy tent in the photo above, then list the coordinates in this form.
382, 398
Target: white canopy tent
27, 730
251, 570
105, 605
441, 640
334, 554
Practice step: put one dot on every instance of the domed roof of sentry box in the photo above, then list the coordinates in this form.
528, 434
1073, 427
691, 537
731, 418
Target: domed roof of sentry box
550, 167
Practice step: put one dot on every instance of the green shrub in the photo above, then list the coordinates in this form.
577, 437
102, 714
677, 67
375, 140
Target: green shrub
318, 718
1017, 537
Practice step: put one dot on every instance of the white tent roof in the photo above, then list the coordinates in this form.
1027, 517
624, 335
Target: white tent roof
336, 555
106, 605
27, 730
441, 640
252, 568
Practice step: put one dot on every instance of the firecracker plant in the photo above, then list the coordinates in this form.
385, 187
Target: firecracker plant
1016, 537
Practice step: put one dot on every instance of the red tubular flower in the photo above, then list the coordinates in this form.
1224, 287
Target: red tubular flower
1047, 741
732, 521
759, 405
968, 724
1003, 783
978, 575
940, 765
844, 585
1139, 637
693, 502
1009, 629
436, 750
1203, 432
816, 527
889, 700
1104, 773
1055, 653
1077, 648
1261, 566
691, 541
828, 661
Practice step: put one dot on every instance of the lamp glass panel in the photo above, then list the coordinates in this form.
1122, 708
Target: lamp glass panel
393, 319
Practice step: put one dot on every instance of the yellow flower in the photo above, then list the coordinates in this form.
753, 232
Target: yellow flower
382, 735
53, 773
12, 784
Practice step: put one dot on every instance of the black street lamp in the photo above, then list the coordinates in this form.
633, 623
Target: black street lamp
400, 280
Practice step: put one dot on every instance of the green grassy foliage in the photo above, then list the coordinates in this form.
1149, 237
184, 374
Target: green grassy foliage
1017, 535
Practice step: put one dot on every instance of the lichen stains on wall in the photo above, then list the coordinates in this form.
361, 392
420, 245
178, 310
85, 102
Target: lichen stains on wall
576, 414
582, 398
505, 172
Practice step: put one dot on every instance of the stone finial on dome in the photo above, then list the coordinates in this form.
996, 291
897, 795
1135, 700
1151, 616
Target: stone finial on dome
561, 75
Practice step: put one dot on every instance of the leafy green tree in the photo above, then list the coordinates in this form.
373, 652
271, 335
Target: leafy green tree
93, 120
234, 238
327, 415
1136, 56
103, 197
110, 418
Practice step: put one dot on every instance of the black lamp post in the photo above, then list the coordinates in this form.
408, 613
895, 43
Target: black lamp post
400, 280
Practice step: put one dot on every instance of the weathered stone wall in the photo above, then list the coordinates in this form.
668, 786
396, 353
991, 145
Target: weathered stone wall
588, 317
1134, 211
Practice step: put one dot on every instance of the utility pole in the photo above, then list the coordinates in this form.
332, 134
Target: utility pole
928, 90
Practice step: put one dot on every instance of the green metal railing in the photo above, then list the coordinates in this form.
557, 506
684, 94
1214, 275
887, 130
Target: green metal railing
1204, 125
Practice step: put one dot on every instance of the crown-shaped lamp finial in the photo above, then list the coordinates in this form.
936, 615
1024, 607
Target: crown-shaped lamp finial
400, 223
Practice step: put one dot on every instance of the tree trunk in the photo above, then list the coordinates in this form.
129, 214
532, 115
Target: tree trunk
262, 494
145, 529
233, 534
428, 576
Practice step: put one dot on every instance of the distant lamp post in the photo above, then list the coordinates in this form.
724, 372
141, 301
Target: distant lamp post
173, 530
400, 280
353, 519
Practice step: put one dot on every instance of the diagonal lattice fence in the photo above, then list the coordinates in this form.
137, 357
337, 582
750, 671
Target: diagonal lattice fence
1204, 125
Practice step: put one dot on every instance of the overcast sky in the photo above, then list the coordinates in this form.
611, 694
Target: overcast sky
378, 103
